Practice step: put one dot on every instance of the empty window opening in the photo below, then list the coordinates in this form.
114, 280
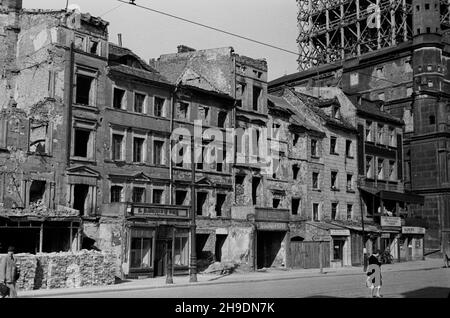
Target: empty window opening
221, 161
380, 168
220, 200
430, 83
335, 112
314, 151
81, 140
334, 210
240, 93
159, 110
200, 160
80, 42
417, 8
348, 149
201, 202
116, 193
295, 206
117, 141
80, 195
180, 156
315, 180
295, 170
94, 47
138, 149
180, 197
203, 113
158, 152
158, 196
276, 203
182, 110
333, 141
255, 186
139, 102
296, 138
349, 182
349, 211
392, 170
221, 119
256, 97
432, 120
316, 212
38, 138
369, 167
418, 30
427, 6
334, 183
119, 98
138, 195
37, 190
84, 90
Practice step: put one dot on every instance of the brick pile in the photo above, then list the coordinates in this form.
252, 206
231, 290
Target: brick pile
65, 270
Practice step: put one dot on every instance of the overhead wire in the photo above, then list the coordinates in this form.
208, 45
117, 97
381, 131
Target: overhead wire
133, 3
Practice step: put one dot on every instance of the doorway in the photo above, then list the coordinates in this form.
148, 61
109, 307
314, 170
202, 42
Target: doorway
80, 193
161, 254
268, 245
220, 241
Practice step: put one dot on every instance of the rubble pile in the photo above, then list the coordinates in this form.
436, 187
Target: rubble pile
65, 270
224, 268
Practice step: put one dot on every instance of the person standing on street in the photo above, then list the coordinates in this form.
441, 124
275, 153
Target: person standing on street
374, 276
9, 272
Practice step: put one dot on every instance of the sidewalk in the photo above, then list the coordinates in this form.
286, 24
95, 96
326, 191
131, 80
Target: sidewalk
208, 279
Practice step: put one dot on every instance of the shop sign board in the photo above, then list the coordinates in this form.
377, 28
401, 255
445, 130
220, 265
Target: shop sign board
391, 221
343, 232
413, 230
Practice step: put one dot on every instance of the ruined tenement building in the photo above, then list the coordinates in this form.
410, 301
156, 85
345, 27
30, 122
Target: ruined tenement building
396, 52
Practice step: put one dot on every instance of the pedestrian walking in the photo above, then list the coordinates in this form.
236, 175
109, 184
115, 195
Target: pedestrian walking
374, 280
9, 273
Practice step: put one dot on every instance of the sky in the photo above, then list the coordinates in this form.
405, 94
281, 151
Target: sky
150, 34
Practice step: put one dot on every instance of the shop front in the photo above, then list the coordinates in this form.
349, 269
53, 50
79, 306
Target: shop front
390, 234
411, 243
341, 248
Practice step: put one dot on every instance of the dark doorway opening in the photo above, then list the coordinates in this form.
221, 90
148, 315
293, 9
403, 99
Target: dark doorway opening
80, 193
268, 246
24, 240
201, 199
204, 257
220, 241
160, 258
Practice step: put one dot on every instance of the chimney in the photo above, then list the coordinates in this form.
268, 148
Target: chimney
119, 38
184, 49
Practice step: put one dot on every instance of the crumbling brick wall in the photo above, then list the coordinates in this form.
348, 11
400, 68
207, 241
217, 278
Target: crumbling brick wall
65, 270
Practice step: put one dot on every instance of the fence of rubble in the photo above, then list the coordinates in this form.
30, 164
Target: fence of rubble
65, 270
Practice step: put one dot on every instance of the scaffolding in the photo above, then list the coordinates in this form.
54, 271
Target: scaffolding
334, 30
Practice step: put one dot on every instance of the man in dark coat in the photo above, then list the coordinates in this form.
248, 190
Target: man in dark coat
375, 273
9, 272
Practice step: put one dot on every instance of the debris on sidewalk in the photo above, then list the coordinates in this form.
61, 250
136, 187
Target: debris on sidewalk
219, 268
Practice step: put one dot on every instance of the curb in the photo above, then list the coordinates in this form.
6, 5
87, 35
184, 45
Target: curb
215, 282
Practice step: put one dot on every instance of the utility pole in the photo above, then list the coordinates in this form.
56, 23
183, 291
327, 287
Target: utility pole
169, 275
193, 260
320, 257
363, 237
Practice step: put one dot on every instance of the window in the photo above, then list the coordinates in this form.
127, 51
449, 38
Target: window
201, 202
119, 100
139, 102
94, 47
138, 149
428, 29
380, 134
158, 196
430, 83
255, 187
314, 152
203, 113
392, 137
181, 253
354, 79
116, 193
182, 110
82, 142
369, 135
220, 200
117, 153
315, 180
158, 109
432, 120
348, 149
418, 30
158, 152
180, 197
276, 203
335, 112
80, 43
141, 251
369, 167
429, 67
39, 138
380, 170
221, 119
381, 96
333, 141
221, 161
417, 8
240, 93
392, 170
334, 180
380, 72
296, 202
256, 97
85, 87
82, 195
201, 159
138, 195
37, 191
349, 211
338, 247
295, 170
180, 155
334, 210
349, 182
316, 212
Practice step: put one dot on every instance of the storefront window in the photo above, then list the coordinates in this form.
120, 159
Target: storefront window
181, 251
141, 249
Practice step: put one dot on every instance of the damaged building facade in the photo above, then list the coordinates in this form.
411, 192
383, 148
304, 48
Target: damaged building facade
395, 52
